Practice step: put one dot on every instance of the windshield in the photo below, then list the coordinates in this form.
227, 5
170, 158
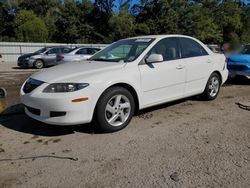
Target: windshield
243, 50
41, 51
124, 50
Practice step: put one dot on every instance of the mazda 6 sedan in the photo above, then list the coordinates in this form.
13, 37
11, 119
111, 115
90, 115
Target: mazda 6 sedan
125, 77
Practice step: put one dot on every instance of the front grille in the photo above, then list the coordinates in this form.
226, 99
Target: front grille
236, 67
33, 110
57, 114
31, 84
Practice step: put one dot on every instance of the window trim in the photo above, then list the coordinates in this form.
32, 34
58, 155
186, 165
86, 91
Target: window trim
142, 62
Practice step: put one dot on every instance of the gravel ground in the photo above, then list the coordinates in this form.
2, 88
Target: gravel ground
188, 143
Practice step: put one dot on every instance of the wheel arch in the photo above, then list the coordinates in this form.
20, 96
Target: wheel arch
220, 76
131, 89
217, 72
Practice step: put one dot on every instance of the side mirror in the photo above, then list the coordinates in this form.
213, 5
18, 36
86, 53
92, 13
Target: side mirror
154, 58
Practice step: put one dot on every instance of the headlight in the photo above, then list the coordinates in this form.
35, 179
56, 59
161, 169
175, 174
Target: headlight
64, 87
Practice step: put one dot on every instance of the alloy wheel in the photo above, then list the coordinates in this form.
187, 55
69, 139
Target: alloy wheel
214, 85
117, 110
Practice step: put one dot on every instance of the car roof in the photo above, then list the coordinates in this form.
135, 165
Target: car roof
56, 47
88, 47
160, 36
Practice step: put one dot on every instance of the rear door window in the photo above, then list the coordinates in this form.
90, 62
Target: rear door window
66, 50
82, 51
191, 48
91, 51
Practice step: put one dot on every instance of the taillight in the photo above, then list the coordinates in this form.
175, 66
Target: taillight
59, 58
226, 60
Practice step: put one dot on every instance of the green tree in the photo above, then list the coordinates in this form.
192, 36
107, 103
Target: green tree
230, 21
39, 7
30, 28
7, 17
245, 34
197, 20
123, 25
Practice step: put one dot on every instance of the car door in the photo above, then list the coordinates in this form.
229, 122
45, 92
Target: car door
50, 56
81, 54
164, 81
197, 63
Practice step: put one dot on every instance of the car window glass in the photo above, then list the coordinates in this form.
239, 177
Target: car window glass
66, 50
90, 51
82, 51
168, 48
246, 50
191, 48
53, 51
96, 50
121, 51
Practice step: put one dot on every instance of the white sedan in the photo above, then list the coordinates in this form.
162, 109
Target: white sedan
76, 55
129, 75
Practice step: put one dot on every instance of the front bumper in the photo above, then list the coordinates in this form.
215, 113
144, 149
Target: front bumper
47, 103
25, 62
233, 73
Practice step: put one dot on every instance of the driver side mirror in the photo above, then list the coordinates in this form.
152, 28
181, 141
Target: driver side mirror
154, 58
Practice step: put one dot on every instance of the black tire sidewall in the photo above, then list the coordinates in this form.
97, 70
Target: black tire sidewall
99, 118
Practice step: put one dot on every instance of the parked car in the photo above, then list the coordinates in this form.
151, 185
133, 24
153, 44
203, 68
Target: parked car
239, 62
214, 48
41, 58
76, 55
129, 75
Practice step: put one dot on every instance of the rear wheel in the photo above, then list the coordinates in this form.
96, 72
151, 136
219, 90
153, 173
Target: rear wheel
114, 109
212, 88
38, 64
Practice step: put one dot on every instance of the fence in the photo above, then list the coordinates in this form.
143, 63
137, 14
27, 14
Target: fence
10, 51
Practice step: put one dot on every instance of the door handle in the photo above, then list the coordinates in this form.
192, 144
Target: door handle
180, 67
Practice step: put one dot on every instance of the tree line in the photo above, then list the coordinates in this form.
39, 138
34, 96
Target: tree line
105, 21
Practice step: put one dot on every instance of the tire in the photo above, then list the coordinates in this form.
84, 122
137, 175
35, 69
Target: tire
212, 88
112, 115
38, 64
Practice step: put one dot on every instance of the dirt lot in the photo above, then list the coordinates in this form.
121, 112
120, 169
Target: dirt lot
188, 143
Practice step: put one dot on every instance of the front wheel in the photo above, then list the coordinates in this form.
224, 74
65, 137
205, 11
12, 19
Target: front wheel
114, 109
212, 88
38, 64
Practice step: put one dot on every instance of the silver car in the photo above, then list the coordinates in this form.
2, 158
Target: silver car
41, 58
78, 54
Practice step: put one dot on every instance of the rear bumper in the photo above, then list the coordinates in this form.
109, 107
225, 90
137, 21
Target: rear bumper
224, 75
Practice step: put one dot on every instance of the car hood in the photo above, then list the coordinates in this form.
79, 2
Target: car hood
239, 59
75, 71
26, 55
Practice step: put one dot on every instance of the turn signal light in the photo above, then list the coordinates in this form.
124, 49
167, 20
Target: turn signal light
80, 100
